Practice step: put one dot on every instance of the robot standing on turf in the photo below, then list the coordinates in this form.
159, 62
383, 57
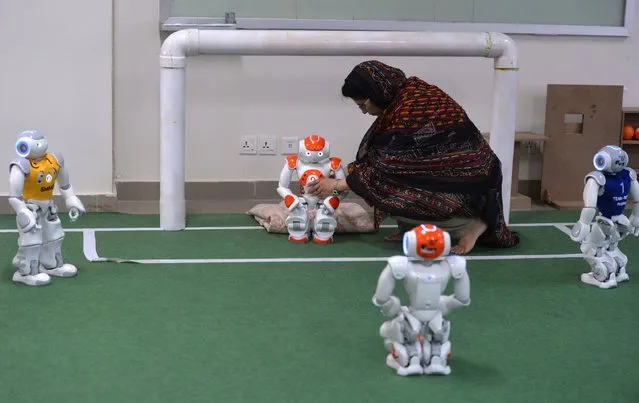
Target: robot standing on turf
312, 163
418, 335
32, 177
606, 190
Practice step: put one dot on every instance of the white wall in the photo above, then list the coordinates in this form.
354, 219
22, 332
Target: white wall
55, 76
294, 96
58, 79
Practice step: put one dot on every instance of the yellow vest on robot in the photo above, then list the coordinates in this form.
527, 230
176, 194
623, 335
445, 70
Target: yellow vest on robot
38, 185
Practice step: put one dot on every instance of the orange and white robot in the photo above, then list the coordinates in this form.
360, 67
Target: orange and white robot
32, 177
312, 163
417, 338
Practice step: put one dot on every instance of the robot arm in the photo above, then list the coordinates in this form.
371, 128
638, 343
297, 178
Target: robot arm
461, 294
634, 194
594, 184
72, 202
384, 298
331, 203
283, 188
17, 173
340, 173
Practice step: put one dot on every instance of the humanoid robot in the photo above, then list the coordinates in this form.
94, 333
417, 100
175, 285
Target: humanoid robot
32, 177
606, 191
417, 338
312, 163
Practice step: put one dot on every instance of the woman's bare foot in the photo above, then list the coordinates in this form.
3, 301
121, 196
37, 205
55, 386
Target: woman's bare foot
394, 237
469, 237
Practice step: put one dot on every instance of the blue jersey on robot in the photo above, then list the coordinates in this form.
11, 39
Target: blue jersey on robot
613, 200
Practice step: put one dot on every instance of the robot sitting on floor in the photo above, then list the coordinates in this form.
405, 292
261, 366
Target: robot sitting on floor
606, 189
312, 163
32, 178
418, 335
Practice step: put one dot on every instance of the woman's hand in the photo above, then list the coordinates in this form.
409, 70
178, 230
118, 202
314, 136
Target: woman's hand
322, 187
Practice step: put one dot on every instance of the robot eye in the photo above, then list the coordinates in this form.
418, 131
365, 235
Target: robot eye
22, 147
319, 154
308, 153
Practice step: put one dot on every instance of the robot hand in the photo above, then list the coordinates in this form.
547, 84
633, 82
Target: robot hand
579, 231
75, 207
634, 224
291, 202
28, 216
390, 308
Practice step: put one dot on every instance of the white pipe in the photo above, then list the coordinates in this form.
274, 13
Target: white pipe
191, 42
172, 148
502, 136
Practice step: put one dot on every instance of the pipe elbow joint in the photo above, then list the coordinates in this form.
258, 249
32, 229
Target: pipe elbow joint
177, 46
504, 49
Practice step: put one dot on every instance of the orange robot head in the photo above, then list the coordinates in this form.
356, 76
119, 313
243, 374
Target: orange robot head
314, 149
427, 242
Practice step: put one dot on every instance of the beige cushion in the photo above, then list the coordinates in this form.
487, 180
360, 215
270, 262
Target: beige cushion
350, 217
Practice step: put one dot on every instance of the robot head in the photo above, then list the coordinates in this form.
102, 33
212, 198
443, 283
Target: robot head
314, 149
31, 144
610, 159
426, 241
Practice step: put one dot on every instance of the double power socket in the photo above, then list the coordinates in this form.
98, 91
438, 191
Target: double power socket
268, 145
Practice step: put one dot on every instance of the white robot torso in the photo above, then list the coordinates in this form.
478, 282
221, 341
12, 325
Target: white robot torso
425, 281
312, 163
308, 173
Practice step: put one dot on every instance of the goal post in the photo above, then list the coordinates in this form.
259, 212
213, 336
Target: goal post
186, 43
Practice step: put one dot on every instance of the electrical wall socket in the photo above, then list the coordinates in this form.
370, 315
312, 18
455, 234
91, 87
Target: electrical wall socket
290, 145
267, 145
248, 145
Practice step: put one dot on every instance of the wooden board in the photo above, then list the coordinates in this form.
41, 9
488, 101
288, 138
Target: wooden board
570, 146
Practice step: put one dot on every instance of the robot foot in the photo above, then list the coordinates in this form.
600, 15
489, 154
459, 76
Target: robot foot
39, 279
588, 278
622, 275
320, 239
392, 362
437, 367
413, 368
66, 270
298, 239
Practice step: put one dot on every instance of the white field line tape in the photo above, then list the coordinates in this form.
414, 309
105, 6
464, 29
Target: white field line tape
89, 247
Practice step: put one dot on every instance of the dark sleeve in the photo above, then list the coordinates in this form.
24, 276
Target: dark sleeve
356, 180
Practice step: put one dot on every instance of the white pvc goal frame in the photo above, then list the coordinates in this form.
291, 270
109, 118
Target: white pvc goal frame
182, 44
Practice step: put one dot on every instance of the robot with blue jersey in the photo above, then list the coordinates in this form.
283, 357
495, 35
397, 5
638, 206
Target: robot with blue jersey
606, 192
32, 177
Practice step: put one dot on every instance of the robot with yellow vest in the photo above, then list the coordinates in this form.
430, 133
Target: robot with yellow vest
32, 177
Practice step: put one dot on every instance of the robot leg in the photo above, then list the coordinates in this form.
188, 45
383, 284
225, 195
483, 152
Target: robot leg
297, 223
621, 261
392, 333
51, 256
413, 342
438, 346
602, 265
324, 225
405, 355
26, 262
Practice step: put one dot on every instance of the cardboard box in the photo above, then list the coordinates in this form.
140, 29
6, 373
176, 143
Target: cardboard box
580, 119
